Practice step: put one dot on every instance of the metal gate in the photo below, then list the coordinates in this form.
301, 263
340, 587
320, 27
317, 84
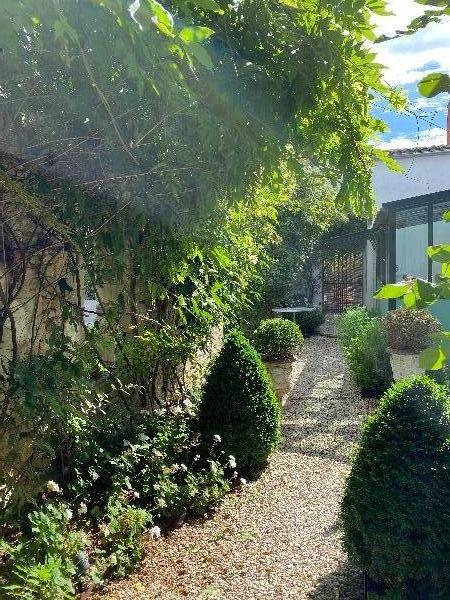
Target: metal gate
342, 282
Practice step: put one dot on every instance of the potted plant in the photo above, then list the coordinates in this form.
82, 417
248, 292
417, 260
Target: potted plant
279, 341
409, 332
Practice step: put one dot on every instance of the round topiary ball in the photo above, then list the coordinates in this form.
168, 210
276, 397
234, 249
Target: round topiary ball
240, 406
410, 329
396, 509
277, 339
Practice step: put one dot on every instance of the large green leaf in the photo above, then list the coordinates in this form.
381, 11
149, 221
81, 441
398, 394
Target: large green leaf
434, 84
446, 216
200, 54
392, 291
195, 34
425, 291
432, 359
440, 253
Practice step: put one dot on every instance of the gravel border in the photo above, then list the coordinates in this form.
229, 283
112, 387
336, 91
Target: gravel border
278, 537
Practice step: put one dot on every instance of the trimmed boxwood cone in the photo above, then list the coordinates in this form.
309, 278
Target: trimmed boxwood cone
240, 405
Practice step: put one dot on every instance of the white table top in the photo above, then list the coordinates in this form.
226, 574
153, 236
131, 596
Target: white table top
293, 309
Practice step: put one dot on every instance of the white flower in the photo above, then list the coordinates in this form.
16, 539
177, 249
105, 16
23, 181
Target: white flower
52, 486
136, 494
183, 467
94, 474
242, 481
188, 404
177, 410
156, 486
69, 514
82, 510
232, 462
142, 437
126, 443
155, 532
235, 474
157, 453
113, 559
217, 438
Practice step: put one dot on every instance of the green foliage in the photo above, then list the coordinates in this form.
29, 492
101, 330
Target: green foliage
309, 210
418, 294
366, 349
394, 511
164, 124
277, 339
121, 542
309, 321
239, 405
410, 329
350, 323
44, 565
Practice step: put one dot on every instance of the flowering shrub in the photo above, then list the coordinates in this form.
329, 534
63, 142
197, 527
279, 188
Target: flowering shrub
277, 339
240, 406
121, 546
121, 486
410, 329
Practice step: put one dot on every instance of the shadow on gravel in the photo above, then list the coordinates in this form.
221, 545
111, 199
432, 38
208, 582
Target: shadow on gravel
343, 584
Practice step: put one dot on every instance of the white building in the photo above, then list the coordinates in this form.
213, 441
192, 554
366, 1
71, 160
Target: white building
410, 205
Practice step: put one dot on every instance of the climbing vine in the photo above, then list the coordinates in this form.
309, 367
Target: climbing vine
147, 153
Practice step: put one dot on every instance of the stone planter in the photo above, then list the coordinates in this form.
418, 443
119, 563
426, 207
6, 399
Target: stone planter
404, 364
281, 372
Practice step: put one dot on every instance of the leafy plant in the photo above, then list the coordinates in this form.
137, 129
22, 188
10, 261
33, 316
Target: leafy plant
410, 329
309, 321
350, 323
418, 294
240, 406
366, 349
277, 339
45, 563
121, 543
394, 511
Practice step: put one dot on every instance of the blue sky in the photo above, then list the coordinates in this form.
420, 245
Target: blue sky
407, 60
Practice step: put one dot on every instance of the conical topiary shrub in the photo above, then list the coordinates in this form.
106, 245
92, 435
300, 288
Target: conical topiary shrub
240, 405
396, 508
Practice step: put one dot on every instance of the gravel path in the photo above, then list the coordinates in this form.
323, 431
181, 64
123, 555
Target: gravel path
278, 537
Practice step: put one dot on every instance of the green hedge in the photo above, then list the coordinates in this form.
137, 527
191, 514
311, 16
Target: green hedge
309, 321
240, 406
396, 509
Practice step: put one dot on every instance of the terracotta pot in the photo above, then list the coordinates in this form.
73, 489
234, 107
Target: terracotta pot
405, 364
281, 372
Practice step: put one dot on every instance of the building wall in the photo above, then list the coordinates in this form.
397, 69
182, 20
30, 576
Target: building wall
424, 174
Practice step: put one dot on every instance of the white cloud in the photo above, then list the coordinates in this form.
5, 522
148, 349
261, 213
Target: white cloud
409, 58
404, 12
435, 136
